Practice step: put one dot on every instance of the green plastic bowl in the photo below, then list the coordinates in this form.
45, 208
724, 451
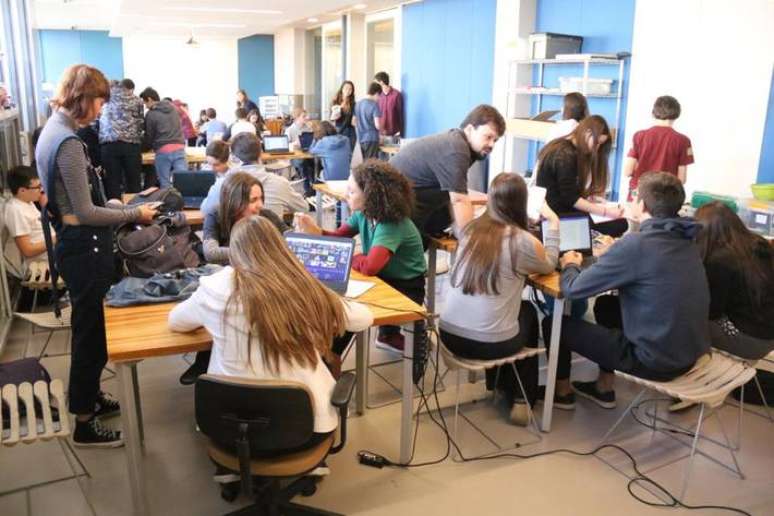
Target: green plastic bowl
763, 191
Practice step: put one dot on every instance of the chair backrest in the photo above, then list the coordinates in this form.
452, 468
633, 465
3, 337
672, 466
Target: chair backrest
276, 415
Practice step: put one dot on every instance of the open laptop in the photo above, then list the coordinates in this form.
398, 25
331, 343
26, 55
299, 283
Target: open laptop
305, 139
329, 259
574, 235
193, 186
276, 144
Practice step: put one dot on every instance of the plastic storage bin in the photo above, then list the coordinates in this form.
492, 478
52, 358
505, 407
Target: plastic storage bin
545, 45
699, 198
593, 86
758, 216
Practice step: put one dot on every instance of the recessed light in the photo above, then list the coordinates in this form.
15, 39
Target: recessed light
312, 20
222, 10
359, 6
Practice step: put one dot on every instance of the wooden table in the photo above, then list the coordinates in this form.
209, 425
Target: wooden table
389, 150
297, 154
194, 217
193, 155
142, 332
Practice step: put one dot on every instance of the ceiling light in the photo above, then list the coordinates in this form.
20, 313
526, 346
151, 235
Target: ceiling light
359, 6
222, 10
201, 25
312, 20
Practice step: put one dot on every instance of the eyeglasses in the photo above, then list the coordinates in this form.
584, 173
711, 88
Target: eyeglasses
33, 187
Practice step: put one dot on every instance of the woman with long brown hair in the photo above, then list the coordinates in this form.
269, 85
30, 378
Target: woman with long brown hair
483, 315
740, 271
269, 318
84, 248
343, 110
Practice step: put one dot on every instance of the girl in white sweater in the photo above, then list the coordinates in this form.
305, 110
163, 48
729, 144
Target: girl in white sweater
269, 318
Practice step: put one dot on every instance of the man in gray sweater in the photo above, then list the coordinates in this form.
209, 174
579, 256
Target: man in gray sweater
663, 293
164, 135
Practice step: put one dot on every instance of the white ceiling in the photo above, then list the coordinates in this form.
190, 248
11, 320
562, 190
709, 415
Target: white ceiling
206, 18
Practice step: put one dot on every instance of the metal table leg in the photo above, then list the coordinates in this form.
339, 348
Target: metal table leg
138, 403
131, 434
361, 358
407, 403
432, 258
319, 207
553, 360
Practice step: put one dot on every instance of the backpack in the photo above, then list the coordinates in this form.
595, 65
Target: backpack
165, 245
17, 372
171, 200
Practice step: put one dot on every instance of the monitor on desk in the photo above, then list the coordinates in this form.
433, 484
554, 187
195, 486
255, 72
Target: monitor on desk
329, 259
276, 144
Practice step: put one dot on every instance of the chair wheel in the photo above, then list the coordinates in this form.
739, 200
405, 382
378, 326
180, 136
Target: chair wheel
309, 490
230, 491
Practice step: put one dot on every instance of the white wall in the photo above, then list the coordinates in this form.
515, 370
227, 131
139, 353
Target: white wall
202, 77
289, 61
356, 53
715, 57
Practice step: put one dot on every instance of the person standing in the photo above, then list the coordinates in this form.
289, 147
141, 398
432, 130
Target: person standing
84, 249
164, 135
343, 110
244, 102
391, 106
120, 135
367, 120
189, 132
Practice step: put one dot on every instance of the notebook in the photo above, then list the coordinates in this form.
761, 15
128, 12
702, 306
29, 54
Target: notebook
276, 144
193, 186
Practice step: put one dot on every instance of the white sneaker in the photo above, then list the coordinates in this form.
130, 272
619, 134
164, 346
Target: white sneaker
519, 413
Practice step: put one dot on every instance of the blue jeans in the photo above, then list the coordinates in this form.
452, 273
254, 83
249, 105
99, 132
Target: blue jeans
168, 162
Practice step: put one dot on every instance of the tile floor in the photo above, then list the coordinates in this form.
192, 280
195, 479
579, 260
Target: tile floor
179, 480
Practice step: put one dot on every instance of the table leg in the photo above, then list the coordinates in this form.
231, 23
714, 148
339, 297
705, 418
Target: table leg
553, 359
432, 257
319, 207
138, 404
407, 403
361, 348
131, 435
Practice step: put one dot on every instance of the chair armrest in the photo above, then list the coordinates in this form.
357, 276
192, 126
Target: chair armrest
342, 392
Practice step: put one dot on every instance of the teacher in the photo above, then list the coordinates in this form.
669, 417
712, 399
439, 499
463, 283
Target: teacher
84, 249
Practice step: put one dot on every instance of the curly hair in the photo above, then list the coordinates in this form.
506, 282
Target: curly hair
389, 196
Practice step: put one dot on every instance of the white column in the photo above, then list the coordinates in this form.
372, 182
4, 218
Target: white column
356, 53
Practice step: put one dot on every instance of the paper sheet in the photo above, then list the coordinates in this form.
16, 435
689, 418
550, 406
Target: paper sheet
356, 288
536, 196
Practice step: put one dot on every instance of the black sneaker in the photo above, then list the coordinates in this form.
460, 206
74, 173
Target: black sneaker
91, 434
566, 402
106, 406
589, 391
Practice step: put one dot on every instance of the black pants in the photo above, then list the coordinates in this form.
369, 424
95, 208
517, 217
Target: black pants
369, 150
614, 228
528, 368
413, 289
431, 212
85, 260
305, 167
607, 347
123, 167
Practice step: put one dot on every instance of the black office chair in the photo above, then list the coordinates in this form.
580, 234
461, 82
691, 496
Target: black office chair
255, 428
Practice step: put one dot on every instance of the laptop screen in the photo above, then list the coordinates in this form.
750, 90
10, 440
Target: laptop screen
326, 258
193, 184
273, 143
574, 233
305, 139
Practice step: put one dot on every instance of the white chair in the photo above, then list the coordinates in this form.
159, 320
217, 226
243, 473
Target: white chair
46, 321
707, 384
463, 365
764, 364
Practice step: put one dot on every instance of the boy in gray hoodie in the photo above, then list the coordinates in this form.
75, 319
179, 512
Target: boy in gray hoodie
663, 293
164, 135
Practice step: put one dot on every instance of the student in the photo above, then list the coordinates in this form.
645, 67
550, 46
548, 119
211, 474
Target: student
241, 125
199, 127
214, 129
334, 151
299, 125
740, 271
437, 165
270, 319
367, 120
380, 199
279, 195
574, 109
304, 167
660, 148
244, 102
390, 105
255, 118
5, 99
120, 135
218, 154
574, 172
241, 197
22, 220
84, 248
664, 300
483, 316
164, 134
343, 111
189, 133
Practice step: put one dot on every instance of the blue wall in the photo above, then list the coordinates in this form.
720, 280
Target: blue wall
447, 62
766, 165
256, 66
606, 26
59, 49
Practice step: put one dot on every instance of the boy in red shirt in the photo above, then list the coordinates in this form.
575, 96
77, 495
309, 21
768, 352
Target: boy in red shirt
660, 148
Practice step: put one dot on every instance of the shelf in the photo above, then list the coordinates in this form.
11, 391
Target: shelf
526, 91
597, 60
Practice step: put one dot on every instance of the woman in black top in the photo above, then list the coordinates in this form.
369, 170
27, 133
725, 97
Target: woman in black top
740, 272
342, 111
574, 172
244, 102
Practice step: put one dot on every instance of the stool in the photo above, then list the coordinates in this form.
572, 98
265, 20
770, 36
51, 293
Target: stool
454, 362
708, 383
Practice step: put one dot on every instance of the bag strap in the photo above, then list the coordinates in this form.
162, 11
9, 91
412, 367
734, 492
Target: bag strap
144, 249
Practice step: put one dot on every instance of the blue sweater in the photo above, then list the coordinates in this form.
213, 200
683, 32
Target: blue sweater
663, 290
336, 155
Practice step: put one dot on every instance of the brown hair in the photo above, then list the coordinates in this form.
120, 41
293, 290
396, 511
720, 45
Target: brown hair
575, 107
79, 86
485, 114
292, 314
724, 232
389, 196
234, 198
323, 129
662, 193
347, 104
666, 108
590, 162
480, 257
211, 113
374, 88
219, 150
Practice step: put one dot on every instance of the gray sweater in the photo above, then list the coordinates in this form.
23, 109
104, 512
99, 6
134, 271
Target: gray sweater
495, 318
162, 126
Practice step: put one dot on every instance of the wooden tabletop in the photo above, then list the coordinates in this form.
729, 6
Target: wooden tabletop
476, 198
192, 155
389, 149
546, 283
448, 244
138, 332
296, 154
